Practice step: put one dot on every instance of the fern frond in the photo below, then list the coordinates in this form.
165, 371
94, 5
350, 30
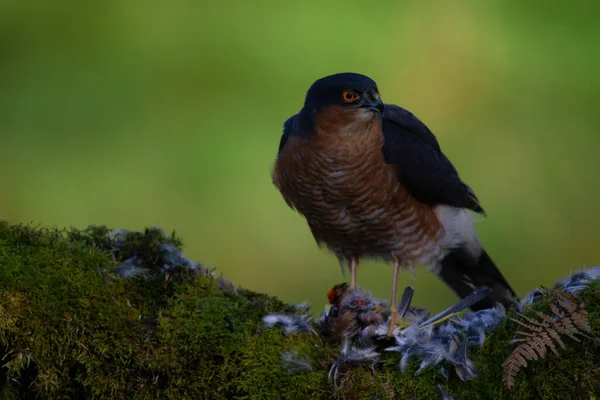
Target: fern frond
547, 339
568, 318
517, 359
566, 300
531, 327
581, 321
579, 314
548, 320
555, 310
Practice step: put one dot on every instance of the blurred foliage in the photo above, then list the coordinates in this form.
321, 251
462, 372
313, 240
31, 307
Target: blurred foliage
71, 328
146, 113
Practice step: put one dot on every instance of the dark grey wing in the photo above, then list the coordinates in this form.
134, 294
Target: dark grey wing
422, 167
289, 127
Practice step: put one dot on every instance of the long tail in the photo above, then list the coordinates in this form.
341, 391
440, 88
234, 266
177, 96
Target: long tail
463, 274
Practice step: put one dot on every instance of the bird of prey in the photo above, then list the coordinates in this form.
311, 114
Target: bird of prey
372, 182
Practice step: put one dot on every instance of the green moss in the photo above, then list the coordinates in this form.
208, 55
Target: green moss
70, 328
573, 375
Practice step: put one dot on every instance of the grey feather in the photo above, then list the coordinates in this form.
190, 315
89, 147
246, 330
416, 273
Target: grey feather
295, 364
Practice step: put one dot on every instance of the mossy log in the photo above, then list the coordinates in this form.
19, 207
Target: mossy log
71, 327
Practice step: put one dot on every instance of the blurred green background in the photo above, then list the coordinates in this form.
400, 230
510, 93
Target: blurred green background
140, 113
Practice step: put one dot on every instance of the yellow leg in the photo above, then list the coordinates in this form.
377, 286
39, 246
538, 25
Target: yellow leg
353, 265
394, 319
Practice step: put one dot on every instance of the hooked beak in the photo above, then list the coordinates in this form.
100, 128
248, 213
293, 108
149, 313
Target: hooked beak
375, 105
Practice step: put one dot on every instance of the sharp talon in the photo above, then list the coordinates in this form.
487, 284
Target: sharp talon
396, 320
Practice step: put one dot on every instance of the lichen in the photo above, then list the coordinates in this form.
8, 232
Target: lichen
73, 326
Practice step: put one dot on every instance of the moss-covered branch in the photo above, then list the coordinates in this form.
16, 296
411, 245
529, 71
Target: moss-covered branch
84, 313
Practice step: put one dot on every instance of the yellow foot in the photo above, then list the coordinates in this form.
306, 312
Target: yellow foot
397, 320
394, 318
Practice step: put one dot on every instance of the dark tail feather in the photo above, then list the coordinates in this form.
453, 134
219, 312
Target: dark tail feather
463, 274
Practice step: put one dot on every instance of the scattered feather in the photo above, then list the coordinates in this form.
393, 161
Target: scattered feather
325, 314
291, 323
464, 366
227, 286
576, 282
304, 307
358, 318
351, 355
478, 294
579, 280
444, 372
447, 342
152, 251
172, 257
130, 268
295, 364
118, 237
477, 325
530, 298
444, 395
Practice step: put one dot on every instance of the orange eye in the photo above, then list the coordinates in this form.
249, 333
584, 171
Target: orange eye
348, 96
